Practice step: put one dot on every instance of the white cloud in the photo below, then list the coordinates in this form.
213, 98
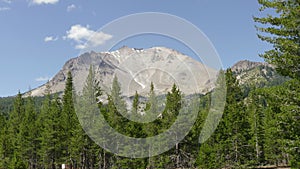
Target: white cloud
85, 38
42, 79
39, 2
4, 9
71, 7
50, 38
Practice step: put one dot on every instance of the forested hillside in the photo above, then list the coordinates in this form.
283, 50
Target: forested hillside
261, 128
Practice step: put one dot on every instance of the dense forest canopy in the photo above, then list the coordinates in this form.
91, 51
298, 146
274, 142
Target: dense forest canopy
255, 130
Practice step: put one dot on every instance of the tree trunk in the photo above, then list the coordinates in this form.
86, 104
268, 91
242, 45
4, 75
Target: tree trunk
104, 159
177, 155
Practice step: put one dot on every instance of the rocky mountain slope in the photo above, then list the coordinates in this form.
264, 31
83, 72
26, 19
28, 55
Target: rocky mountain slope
256, 74
136, 69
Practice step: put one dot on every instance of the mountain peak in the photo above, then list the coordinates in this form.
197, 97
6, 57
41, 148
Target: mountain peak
246, 65
256, 74
136, 69
124, 48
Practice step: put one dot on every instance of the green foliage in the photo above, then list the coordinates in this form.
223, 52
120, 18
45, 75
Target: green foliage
281, 111
282, 31
258, 128
6, 104
151, 106
173, 103
87, 112
116, 96
52, 133
152, 128
228, 147
69, 118
135, 103
16, 117
29, 134
3, 141
257, 119
259, 77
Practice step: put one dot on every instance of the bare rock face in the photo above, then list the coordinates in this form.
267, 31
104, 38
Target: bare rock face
244, 65
257, 74
136, 69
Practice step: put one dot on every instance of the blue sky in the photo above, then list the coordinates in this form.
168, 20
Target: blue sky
39, 36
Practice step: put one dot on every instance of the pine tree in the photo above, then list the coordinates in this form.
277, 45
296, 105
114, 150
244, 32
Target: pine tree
236, 116
257, 120
133, 127
281, 138
173, 105
228, 145
120, 121
152, 112
45, 135
117, 108
69, 119
190, 110
169, 115
15, 119
3, 141
210, 154
282, 124
29, 133
52, 134
284, 34
152, 99
88, 110
135, 104
116, 96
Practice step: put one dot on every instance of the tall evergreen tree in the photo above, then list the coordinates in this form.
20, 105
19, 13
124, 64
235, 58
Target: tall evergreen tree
173, 105
210, 154
283, 32
4, 156
52, 134
69, 119
257, 120
134, 128
169, 115
29, 134
282, 124
235, 123
117, 107
152, 112
16, 160
88, 111
228, 145
135, 104
152, 103
116, 96
45, 133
